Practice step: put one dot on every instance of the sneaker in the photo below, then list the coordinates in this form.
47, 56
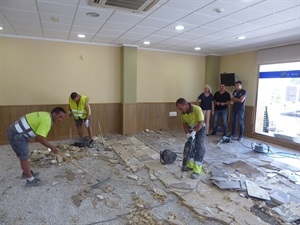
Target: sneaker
195, 175
32, 173
35, 183
213, 133
240, 138
224, 134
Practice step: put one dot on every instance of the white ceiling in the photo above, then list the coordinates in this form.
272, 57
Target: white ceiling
265, 23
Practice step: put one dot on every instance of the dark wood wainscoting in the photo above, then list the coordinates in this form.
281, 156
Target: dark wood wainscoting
109, 116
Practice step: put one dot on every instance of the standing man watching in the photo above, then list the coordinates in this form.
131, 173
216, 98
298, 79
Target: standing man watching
81, 110
194, 126
222, 99
238, 109
35, 124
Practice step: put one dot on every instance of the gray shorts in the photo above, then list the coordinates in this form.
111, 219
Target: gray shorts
79, 122
19, 144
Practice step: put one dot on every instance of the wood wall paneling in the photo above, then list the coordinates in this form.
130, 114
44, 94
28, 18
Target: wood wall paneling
108, 114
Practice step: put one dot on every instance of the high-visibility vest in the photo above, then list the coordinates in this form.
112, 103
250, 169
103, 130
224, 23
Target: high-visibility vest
79, 110
22, 126
33, 124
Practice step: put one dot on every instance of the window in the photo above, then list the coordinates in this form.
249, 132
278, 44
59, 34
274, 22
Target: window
278, 101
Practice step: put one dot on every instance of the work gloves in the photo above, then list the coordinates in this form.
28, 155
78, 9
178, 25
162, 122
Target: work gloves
87, 123
192, 135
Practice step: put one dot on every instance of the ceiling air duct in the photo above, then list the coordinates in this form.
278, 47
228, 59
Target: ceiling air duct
129, 5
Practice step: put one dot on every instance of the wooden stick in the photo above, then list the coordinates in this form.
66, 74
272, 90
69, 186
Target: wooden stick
75, 164
103, 141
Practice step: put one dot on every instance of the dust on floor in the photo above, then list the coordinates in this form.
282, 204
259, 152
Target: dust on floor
138, 189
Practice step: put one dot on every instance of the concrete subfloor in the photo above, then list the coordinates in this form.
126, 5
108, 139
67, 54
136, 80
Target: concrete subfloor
143, 191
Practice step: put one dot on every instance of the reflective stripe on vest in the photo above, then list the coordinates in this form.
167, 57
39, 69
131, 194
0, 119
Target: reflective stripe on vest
23, 127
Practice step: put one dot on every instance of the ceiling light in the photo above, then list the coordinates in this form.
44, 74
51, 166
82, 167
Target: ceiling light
92, 14
1, 28
146, 42
197, 48
241, 37
179, 27
81, 35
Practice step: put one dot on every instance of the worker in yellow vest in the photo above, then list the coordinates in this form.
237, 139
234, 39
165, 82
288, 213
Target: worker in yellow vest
32, 125
81, 110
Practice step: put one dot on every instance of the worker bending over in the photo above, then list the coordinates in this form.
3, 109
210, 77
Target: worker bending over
81, 110
35, 124
194, 126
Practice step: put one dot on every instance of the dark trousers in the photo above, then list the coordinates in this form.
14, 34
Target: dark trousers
238, 116
200, 149
224, 115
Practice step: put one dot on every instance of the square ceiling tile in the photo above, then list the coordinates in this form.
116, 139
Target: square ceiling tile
97, 24
56, 27
197, 19
222, 24
246, 15
10, 13
116, 26
126, 17
170, 14
270, 20
56, 8
56, 34
49, 18
144, 30
154, 23
269, 6
28, 5
190, 5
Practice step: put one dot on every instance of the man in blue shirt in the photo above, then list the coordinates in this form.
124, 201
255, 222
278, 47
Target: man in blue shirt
238, 109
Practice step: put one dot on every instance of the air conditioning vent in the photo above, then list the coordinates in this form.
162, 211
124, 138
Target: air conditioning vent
131, 5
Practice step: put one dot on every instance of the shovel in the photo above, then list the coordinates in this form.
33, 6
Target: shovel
85, 171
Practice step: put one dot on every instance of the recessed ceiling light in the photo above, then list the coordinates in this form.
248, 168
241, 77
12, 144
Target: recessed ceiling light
1, 28
92, 14
81, 35
146, 42
241, 37
179, 27
197, 48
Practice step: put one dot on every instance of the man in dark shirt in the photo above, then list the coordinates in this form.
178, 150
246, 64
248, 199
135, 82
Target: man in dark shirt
221, 99
238, 109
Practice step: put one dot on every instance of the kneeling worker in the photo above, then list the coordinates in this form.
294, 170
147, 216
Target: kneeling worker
35, 124
81, 110
194, 126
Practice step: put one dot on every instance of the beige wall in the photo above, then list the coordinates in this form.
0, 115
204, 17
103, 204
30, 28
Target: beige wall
164, 77
46, 72
244, 64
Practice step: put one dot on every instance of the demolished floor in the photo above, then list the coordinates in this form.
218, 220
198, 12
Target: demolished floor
237, 186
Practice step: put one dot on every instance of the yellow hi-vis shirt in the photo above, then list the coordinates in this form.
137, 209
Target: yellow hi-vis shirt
79, 110
39, 122
194, 117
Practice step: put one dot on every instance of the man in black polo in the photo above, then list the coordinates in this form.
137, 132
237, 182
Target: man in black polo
221, 100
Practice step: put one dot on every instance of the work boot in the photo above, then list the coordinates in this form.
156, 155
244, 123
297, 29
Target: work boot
189, 166
23, 176
197, 168
195, 175
35, 183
